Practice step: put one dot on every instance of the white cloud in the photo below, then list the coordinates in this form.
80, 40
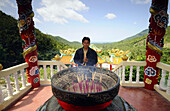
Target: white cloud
60, 11
141, 1
36, 20
134, 23
110, 16
5, 3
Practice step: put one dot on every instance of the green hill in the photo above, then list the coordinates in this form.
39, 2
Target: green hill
73, 44
11, 46
144, 32
137, 46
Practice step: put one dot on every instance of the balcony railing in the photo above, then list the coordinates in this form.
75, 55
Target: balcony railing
120, 70
14, 81
163, 87
15, 84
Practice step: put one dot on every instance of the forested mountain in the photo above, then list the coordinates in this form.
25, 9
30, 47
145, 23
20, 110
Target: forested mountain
73, 44
144, 32
137, 46
11, 46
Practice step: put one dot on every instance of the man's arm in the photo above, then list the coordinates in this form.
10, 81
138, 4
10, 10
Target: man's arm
93, 59
77, 58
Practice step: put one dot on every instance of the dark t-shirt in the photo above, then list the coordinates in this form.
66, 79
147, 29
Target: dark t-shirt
91, 56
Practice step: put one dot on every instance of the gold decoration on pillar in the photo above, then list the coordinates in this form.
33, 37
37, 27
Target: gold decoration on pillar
152, 11
1, 67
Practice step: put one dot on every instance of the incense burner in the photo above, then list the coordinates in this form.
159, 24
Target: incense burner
85, 85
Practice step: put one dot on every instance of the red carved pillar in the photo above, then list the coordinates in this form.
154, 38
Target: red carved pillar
157, 28
110, 67
29, 43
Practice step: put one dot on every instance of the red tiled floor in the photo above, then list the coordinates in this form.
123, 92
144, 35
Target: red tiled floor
140, 98
33, 100
144, 100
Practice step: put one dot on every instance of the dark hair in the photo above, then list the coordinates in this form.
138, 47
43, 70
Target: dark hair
85, 38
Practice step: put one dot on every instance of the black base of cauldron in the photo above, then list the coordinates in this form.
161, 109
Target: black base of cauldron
118, 104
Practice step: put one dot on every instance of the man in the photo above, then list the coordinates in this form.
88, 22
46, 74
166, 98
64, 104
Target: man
85, 55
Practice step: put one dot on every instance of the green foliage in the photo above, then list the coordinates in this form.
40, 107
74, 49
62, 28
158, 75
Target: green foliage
73, 44
48, 46
48, 69
11, 43
137, 46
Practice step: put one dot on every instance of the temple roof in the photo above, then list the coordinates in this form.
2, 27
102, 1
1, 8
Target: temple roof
98, 50
67, 59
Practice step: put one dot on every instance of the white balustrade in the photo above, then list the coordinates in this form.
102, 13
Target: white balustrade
12, 71
1, 96
10, 91
162, 84
23, 78
120, 73
123, 75
16, 81
117, 72
130, 76
51, 67
168, 85
62, 68
45, 72
121, 68
58, 68
137, 75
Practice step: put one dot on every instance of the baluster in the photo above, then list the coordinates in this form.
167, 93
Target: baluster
58, 68
116, 71
23, 78
10, 91
168, 88
61, 67
45, 72
162, 81
51, 66
1, 96
130, 77
137, 75
16, 81
120, 72
123, 75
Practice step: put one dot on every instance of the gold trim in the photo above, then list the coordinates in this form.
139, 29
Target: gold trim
155, 48
152, 11
29, 50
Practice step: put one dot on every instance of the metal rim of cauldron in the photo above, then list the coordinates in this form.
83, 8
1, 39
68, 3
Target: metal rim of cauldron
85, 94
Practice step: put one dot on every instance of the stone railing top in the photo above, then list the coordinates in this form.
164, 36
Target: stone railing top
12, 69
130, 63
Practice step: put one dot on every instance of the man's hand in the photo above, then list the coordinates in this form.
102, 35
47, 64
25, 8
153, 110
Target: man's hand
85, 60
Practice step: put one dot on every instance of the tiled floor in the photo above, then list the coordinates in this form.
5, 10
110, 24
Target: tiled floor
140, 98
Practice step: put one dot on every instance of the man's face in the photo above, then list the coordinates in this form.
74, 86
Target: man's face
86, 44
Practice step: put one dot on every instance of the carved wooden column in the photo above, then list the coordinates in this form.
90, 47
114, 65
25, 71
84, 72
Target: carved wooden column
29, 43
157, 28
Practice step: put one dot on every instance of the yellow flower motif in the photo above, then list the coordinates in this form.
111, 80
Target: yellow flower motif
148, 81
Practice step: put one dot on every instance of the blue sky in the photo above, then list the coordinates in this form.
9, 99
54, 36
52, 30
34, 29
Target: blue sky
101, 20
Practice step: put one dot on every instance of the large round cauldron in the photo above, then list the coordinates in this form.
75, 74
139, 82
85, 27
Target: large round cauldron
63, 80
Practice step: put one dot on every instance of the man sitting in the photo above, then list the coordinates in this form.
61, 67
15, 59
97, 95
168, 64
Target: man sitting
85, 55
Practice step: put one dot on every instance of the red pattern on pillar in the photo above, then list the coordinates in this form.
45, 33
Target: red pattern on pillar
157, 28
29, 43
